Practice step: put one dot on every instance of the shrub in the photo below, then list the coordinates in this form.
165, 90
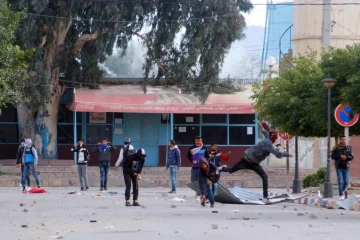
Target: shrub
313, 180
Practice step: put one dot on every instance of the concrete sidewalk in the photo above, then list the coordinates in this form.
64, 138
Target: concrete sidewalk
59, 215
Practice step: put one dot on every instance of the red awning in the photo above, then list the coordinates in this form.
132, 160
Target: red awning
131, 98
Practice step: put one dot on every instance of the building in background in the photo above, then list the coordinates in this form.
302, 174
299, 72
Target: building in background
345, 25
278, 32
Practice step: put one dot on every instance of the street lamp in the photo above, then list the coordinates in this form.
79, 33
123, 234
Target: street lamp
328, 83
270, 62
296, 182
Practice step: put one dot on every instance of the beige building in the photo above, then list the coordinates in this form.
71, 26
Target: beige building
345, 25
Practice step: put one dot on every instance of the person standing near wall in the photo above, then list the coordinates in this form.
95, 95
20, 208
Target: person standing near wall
195, 153
19, 161
29, 160
173, 163
104, 148
342, 155
82, 158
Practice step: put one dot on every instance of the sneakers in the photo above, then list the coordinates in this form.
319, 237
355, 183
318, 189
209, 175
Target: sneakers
38, 186
136, 204
342, 198
265, 200
220, 169
101, 189
23, 188
82, 189
87, 188
105, 188
172, 192
212, 205
128, 204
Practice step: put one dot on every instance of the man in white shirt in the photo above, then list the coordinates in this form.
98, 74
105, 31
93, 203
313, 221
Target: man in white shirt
125, 151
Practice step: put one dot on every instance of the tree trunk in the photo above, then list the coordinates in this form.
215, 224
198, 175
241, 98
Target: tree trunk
26, 121
45, 138
46, 129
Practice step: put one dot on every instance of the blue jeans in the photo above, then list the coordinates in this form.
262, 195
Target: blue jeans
173, 172
210, 193
104, 172
343, 180
27, 167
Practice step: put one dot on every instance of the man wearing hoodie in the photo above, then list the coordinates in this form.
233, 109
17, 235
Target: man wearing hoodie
207, 179
82, 159
29, 160
255, 155
195, 153
19, 161
125, 151
132, 168
173, 163
104, 148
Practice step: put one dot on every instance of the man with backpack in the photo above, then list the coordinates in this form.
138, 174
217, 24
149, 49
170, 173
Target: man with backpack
29, 160
128, 149
19, 161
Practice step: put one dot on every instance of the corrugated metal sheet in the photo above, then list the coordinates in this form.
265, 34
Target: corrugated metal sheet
238, 195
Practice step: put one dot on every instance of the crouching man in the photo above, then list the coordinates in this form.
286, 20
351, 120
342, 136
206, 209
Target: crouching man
207, 180
132, 167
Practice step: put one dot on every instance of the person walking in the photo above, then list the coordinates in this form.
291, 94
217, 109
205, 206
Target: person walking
173, 163
342, 155
104, 148
83, 157
30, 161
132, 168
19, 163
125, 151
255, 155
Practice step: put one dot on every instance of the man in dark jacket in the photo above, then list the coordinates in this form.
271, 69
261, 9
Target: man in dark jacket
19, 161
195, 153
255, 155
173, 163
132, 167
82, 159
207, 179
104, 149
342, 155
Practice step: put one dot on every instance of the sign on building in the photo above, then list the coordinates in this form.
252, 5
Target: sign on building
97, 117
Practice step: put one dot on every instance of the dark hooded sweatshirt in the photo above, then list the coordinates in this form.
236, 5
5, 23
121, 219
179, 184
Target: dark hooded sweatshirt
133, 164
208, 174
261, 150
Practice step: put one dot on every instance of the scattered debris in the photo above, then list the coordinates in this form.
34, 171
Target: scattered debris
21, 204
310, 225
112, 193
214, 211
300, 214
24, 226
342, 213
214, 226
25, 210
236, 211
312, 216
347, 203
109, 227
176, 199
143, 206
274, 225
173, 206
60, 237
72, 192
93, 221
138, 218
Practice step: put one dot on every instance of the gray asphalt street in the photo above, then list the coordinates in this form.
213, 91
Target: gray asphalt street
98, 216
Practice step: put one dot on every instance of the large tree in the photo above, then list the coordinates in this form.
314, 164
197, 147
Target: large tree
296, 101
72, 37
13, 67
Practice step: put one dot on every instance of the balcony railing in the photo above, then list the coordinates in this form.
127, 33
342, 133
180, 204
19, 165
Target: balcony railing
139, 80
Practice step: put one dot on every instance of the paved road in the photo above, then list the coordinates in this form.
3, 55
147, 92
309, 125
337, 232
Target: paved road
59, 215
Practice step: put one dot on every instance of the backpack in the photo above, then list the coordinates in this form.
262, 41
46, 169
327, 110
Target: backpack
29, 156
127, 151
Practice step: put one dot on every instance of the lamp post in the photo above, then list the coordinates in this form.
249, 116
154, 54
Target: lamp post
296, 182
328, 83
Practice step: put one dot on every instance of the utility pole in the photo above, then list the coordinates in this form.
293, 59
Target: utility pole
326, 24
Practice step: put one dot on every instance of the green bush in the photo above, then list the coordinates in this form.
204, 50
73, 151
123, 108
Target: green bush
313, 180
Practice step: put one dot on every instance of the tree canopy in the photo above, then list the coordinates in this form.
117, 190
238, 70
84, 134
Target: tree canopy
296, 101
13, 67
185, 40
